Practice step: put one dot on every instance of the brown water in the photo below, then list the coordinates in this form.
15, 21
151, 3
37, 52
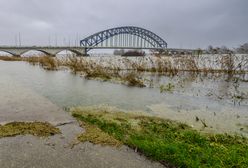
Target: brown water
214, 100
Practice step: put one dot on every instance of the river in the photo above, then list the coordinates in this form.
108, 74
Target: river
194, 101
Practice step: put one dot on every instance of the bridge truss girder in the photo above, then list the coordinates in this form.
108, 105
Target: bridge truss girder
154, 40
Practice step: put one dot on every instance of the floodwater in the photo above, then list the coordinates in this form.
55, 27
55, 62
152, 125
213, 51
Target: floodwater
219, 102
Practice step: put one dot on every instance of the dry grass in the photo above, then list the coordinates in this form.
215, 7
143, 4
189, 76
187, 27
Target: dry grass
10, 58
98, 72
40, 129
95, 135
47, 62
76, 64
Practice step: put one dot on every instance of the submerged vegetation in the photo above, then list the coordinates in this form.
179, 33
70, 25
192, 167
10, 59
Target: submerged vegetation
40, 129
133, 79
167, 88
132, 71
127, 70
92, 70
167, 141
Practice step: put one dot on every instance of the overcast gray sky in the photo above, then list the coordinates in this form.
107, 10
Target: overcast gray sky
182, 23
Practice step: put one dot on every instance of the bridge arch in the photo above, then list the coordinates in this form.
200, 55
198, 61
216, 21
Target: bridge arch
74, 51
154, 40
8, 52
35, 50
51, 51
21, 52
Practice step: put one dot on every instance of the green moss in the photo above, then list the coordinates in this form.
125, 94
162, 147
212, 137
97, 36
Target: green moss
39, 129
168, 141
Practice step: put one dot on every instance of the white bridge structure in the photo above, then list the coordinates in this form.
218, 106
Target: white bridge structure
50, 51
127, 37
79, 51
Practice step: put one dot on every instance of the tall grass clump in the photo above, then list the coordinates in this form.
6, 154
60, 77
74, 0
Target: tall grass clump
164, 65
132, 78
76, 64
98, 72
187, 63
47, 62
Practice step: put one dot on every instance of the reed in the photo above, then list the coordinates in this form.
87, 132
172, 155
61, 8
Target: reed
10, 58
47, 62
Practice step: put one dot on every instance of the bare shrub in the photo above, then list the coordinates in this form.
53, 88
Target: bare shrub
227, 63
98, 72
133, 79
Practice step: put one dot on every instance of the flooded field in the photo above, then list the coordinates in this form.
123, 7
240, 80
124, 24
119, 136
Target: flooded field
207, 102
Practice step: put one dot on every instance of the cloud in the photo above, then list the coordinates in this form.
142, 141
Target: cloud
39, 25
191, 23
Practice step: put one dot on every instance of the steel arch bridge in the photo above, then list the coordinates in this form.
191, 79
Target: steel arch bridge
128, 37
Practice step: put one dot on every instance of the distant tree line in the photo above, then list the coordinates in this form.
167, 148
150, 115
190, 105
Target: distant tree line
242, 49
219, 50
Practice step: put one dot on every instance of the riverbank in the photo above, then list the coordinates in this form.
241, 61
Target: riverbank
170, 143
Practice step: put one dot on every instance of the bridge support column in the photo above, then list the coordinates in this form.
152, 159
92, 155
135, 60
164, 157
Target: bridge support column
85, 52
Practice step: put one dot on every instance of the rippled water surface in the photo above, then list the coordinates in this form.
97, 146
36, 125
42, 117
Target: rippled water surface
215, 101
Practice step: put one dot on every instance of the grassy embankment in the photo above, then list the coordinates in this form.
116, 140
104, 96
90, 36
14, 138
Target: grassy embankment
162, 140
40, 129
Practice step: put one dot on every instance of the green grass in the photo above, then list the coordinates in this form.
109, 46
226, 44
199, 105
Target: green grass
169, 142
40, 129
